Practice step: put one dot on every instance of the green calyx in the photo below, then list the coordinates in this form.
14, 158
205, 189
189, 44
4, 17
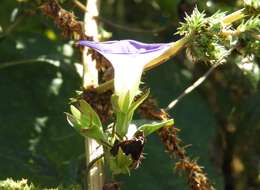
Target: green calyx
124, 116
120, 164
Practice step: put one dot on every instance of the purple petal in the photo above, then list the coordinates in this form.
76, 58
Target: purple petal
127, 50
124, 46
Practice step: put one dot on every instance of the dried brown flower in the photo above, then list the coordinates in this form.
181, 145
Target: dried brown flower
65, 20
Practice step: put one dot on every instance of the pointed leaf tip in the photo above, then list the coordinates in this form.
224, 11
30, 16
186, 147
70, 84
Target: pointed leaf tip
148, 129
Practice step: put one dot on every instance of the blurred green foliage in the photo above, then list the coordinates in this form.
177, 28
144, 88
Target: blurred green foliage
220, 119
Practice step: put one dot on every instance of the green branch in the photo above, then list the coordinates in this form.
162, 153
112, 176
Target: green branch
25, 61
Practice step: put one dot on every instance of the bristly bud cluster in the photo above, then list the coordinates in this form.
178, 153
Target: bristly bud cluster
206, 43
197, 22
211, 38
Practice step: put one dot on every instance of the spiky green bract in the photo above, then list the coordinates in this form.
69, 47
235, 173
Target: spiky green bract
193, 23
251, 25
120, 164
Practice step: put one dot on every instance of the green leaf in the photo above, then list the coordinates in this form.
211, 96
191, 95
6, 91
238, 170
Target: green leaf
83, 119
86, 109
86, 121
71, 119
148, 129
73, 122
94, 132
75, 112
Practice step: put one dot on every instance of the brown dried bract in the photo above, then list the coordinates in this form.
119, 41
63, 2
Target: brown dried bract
150, 110
196, 177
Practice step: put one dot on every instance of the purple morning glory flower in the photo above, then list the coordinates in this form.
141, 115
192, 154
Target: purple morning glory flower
128, 58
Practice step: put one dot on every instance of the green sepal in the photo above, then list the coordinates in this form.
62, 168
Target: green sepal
139, 101
123, 118
120, 163
148, 129
122, 123
121, 108
126, 103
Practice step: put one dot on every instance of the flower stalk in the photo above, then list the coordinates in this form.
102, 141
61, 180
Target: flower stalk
173, 50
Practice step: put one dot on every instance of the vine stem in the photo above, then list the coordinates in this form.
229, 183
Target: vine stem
237, 15
94, 151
